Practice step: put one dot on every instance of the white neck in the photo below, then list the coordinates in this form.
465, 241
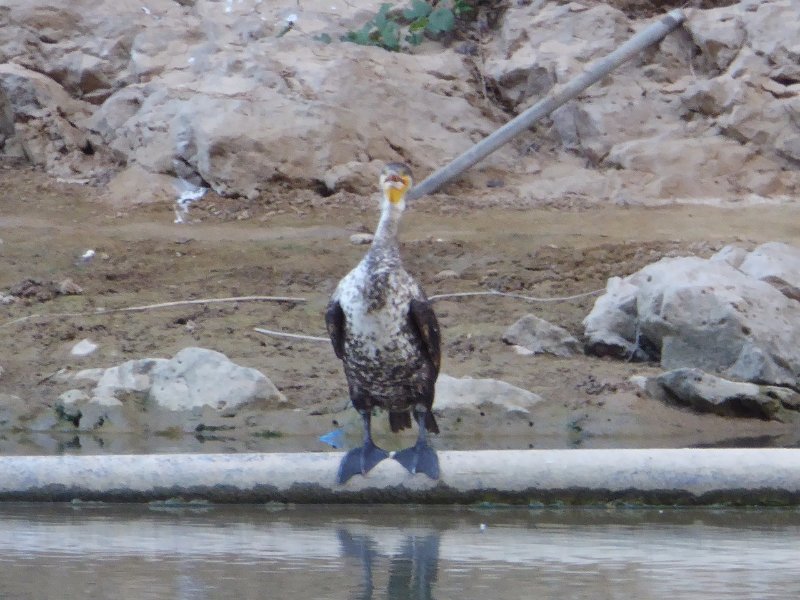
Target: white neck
385, 239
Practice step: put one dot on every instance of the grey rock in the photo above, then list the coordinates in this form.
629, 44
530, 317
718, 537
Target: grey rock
541, 337
773, 260
720, 34
361, 239
713, 154
197, 377
537, 46
732, 254
195, 391
789, 147
12, 409
697, 313
90, 375
704, 392
41, 123
133, 376
583, 130
77, 411
468, 397
712, 97
67, 287
446, 275
353, 176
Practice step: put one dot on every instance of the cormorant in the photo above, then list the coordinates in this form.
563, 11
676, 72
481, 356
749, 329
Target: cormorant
384, 330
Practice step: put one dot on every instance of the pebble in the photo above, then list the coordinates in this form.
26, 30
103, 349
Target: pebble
83, 348
361, 239
445, 275
69, 288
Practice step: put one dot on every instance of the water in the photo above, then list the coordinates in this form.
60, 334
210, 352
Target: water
158, 552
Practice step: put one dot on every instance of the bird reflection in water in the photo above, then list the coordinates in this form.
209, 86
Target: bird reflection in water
412, 571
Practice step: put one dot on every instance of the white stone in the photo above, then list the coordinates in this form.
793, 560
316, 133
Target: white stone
361, 239
84, 348
73, 397
466, 395
197, 377
445, 275
774, 259
541, 337
93, 375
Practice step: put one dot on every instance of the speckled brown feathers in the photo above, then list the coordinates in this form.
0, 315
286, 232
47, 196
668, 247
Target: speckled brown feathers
384, 330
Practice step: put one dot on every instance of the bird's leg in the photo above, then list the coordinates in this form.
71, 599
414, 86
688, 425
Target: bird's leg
363, 459
420, 458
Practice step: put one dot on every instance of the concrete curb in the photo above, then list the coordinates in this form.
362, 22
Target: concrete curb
686, 477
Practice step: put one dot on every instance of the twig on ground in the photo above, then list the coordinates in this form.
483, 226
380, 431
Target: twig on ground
298, 336
295, 336
106, 311
314, 338
518, 296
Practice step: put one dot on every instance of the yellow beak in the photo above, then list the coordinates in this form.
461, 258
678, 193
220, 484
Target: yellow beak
396, 190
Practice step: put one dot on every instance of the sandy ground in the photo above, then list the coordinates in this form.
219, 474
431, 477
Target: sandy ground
296, 243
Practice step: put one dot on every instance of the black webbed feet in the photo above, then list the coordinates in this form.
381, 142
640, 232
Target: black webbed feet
420, 458
360, 461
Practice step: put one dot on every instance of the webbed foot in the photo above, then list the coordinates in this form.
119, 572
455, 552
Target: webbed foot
420, 458
360, 461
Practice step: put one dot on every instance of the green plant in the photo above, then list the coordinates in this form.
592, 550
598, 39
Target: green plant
268, 434
421, 17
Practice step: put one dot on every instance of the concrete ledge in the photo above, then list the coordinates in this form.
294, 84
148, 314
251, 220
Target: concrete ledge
688, 477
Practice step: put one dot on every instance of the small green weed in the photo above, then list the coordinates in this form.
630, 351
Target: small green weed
390, 27
268, 434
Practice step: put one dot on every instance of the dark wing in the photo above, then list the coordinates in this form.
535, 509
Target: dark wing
424, 319
334, 321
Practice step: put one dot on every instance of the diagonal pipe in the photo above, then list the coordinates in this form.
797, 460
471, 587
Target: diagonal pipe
593, 73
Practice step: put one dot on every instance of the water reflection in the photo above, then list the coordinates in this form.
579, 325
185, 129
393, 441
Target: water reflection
412, 571
163, 552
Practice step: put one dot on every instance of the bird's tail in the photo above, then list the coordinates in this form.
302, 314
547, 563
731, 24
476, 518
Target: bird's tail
399, 420
402, 420
430, 422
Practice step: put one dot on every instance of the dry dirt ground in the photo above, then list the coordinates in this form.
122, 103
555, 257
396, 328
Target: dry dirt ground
296, 243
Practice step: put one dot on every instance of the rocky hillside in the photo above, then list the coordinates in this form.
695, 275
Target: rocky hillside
238, 95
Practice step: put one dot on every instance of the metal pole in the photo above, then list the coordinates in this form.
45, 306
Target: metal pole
593, 73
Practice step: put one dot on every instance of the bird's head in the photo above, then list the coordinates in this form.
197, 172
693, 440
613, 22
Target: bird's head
395, 182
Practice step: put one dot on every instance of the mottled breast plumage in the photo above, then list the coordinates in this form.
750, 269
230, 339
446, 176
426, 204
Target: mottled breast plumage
381, 347
385, 332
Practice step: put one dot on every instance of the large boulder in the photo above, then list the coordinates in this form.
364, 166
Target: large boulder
244, 96
706, 314
38, 123
539, 45
717, 98
225, 93
704, 392
197, 390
